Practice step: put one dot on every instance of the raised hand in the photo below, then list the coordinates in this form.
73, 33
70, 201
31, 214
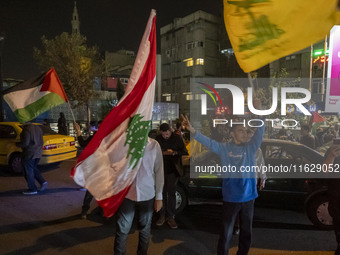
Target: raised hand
186, 124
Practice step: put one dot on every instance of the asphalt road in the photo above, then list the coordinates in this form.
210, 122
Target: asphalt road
49, 223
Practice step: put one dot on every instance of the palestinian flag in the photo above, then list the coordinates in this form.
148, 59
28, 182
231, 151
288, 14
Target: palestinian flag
317, 117
35, 96
109, 164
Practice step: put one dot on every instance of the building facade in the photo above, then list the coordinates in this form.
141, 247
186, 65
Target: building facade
190, 47
307, 63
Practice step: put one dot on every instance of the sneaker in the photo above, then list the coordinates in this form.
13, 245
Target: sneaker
43, 187
172, 223
161, 220
30, 192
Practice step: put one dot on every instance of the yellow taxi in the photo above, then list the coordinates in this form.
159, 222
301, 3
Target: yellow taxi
56, 147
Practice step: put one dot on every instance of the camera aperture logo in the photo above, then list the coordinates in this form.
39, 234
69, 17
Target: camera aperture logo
239, 99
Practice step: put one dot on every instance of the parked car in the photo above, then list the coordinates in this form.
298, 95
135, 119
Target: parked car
56, 147
310, 194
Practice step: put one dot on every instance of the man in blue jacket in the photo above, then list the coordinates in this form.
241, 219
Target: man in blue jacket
239, 188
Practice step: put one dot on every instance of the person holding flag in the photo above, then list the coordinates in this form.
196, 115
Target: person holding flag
144, 197
121, 166
28, 100
109, 164
31, 142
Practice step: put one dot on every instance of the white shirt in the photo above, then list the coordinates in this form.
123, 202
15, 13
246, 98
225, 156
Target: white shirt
149, 180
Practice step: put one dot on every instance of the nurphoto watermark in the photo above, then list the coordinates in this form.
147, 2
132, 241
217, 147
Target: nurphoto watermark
280, 106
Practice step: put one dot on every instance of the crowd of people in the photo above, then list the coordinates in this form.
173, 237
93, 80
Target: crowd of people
155, 185
322, 136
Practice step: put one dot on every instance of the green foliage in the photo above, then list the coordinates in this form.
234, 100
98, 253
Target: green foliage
136, 138
76, 64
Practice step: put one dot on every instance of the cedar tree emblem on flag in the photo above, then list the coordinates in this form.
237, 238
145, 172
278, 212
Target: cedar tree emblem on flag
262, 31
109, 164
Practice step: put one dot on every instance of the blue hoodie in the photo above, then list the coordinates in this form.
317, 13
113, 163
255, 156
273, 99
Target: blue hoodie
242, 189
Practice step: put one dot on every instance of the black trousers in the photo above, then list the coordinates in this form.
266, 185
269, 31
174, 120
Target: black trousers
87, 201
169, 195
230, 212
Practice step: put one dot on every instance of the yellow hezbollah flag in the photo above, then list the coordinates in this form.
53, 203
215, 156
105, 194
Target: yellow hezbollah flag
262, 31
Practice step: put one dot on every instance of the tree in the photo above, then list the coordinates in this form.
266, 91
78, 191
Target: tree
76, 64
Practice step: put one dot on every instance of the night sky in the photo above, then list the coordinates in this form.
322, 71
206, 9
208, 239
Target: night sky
110, 24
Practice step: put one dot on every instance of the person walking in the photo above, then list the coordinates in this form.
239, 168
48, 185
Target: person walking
31, 142
88, 196
173, 149
239, 190
144, 197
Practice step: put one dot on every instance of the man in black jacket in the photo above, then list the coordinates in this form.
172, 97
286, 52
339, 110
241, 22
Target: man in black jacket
31, 142
173, 148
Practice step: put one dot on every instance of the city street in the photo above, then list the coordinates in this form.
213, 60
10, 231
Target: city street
49, 223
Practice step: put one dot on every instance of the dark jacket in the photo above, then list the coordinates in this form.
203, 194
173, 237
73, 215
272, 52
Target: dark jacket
175, 143
62, 127
32, 141
84, 142
308, 140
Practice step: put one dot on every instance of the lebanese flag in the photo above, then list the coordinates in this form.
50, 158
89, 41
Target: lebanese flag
35, 96
109, 164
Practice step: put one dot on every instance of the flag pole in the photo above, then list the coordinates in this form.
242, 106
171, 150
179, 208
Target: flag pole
74, 119
324, 71
311, 68
250, 80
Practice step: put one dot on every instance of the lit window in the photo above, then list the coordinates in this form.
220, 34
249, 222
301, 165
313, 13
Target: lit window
200, 61
188, 97
167, 97
190, 61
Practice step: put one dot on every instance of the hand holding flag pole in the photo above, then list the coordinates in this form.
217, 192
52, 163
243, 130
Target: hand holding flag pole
108, 165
